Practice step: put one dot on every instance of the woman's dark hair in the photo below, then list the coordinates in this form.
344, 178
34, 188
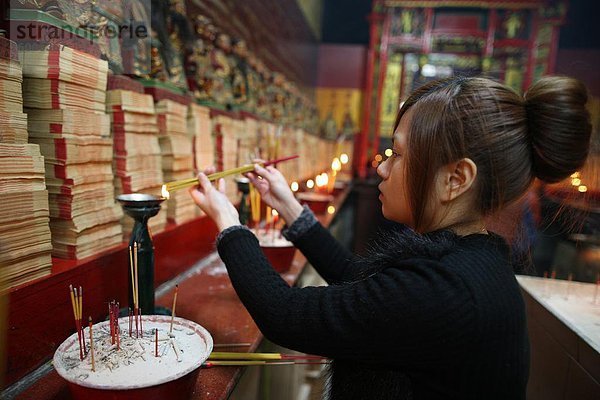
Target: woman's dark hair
511, 138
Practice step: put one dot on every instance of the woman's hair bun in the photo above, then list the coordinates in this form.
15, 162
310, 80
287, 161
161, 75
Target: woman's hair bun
559, 126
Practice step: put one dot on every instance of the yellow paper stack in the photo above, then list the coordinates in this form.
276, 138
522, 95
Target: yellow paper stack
227, 151
177, 157
199, 128
64, 96
25, 244
137, 158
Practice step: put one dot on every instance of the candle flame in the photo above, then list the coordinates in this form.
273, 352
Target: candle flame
295, 186
165, 193
336, 165
310, 183
344, 158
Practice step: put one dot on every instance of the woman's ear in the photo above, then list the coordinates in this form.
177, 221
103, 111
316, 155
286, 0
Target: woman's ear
456, 178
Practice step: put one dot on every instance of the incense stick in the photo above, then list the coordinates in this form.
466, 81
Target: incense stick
210, 364
130, 321
92, 345
75, 313
221, 345
81, 317
173, 310
185, 183
136, 304
216, 355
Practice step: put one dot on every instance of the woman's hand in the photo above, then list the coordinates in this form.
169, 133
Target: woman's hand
274, 190
213, 201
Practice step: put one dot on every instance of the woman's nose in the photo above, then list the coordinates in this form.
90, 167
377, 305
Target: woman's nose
382, 170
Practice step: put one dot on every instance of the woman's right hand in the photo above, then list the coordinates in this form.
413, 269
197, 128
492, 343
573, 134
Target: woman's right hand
275, 192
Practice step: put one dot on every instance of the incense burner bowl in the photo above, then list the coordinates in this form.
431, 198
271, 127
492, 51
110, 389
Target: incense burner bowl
279, 251
318, 202
339, 187
134, 371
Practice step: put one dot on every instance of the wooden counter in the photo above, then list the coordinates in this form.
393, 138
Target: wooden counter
205, 296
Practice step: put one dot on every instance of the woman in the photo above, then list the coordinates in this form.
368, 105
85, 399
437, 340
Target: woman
436, 311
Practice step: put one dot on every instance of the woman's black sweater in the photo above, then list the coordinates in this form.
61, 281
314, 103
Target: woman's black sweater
434, 316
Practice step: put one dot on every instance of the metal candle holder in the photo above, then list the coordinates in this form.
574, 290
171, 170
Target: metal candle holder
142, 207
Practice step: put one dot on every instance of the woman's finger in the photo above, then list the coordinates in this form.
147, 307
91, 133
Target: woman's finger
210, 170
221, 185
260, 171
197, 195
204, 182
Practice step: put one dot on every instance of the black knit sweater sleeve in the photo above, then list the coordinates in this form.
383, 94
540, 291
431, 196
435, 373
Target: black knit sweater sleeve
413, 314
332, 261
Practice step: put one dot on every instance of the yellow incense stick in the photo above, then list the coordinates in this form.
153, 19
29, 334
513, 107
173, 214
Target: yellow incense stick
185, 183
235, 363
135, 267
174, 305
132, 275
73, 302
223, 355
80, 302
268, 217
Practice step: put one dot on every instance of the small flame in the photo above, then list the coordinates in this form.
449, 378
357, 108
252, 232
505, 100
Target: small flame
295, 186
344, 158
165, 193
336, 165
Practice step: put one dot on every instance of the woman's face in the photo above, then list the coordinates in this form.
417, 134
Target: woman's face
394, 196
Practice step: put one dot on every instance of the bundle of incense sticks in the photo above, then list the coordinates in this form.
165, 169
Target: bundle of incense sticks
77, 303
210, 364
240, 356
115, 331
254, 206
185, 183
233, 359
136, 314
268, 218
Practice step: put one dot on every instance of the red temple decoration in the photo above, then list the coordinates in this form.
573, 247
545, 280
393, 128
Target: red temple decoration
415, 41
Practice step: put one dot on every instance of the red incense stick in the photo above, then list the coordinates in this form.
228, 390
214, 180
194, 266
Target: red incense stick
275, 162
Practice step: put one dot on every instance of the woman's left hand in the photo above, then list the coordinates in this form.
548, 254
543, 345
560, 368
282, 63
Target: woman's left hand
213, 202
